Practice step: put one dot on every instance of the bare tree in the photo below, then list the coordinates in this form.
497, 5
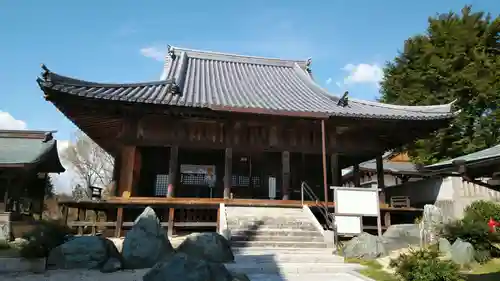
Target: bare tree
92, 165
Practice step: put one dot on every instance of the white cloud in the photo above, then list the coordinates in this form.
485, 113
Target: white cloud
363, 73
64, 182
328, 81
154, 53
8, 122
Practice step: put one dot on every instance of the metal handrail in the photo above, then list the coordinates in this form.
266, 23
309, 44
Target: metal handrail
305, 189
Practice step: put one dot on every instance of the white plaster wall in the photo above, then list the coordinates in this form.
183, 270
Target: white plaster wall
451, 194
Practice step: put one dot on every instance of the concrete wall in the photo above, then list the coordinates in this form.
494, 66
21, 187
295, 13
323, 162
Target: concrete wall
451, 194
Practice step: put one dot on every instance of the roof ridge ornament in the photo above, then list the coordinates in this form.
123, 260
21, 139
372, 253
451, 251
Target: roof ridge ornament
308, 65
48, 137
170, 51
45, 73
344, 100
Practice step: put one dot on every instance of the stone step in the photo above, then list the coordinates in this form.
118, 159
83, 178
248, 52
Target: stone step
255, 226
252, 237
276, 244
281, 251
288, 258
339, 276
276, 232
294, 268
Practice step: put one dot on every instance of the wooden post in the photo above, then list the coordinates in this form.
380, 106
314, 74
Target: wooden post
356, 175
335, 169
119, 222
323, 160
228, 165
171, 217
387, 219
65, 212
125, 182
285, 163
172, 170
380, 179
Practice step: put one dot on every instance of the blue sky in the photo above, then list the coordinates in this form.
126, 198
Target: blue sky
124, 41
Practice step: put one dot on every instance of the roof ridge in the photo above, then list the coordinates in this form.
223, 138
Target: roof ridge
52, 77
214, 55
413, 108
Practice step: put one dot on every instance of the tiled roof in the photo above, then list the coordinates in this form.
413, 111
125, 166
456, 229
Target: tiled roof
492, 153
28, 147
230, 82
389, 166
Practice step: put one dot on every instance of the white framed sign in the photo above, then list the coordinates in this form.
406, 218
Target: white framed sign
348, 225
359, 201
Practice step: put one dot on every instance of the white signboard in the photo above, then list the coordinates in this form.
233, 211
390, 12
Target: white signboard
272, 187
357, 201
349, 224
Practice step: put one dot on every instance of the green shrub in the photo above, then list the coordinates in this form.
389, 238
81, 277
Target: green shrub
482, 211
475, 232
43, 238
425, 265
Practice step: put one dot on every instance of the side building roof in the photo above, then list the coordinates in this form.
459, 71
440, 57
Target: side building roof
20, 148
478, 159
229, 82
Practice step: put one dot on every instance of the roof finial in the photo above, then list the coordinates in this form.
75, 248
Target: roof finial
45, 73
308, 65
170, 52
344, 100
48, 137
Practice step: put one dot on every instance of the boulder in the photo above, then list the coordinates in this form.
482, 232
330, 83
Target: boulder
239, 276
365, 246
401, 236
146, 243
181, 267
462, 253
444, 247
86, 252
209, 246
111, 265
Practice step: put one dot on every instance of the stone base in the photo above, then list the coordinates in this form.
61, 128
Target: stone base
15, 265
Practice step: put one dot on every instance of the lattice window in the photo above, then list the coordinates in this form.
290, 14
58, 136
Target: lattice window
244, 181
161, 185
194, 179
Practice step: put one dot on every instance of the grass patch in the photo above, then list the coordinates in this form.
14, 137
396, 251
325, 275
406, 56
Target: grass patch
373, 270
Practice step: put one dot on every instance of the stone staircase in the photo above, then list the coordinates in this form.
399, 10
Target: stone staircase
280, 242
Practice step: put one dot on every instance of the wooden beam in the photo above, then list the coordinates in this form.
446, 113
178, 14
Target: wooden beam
380, 178
119, 222
285, 168
228, 166
172, 170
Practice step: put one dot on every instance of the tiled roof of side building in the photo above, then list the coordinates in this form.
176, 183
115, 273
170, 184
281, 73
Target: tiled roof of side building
229, 82
19, 147
492, 153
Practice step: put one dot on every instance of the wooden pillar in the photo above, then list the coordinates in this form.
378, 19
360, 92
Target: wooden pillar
380, 178
356, 177
125, 182
172, 170
228, 179
285, 164
171, 217
335, 170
